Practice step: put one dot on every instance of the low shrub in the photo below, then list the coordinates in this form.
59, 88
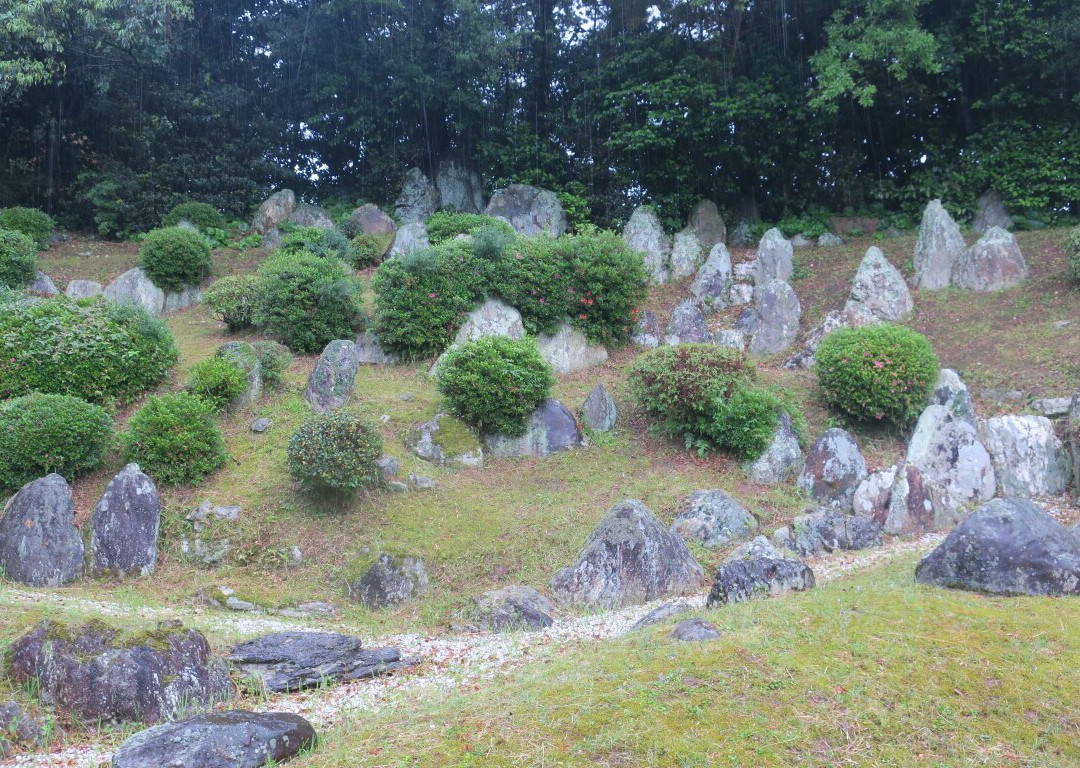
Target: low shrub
175, 257
202, 215
745, 421
51, 433
274, 360
307, 301
446, 225
94, 349
367, 249
175, 440
336, 451
877, 373
233, 300
319, 242
1072, 253
18, 259
35, 224
217, 381
494, 383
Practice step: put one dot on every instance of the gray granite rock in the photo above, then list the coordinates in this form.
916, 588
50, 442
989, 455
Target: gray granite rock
994, 262
694, 631
713, 518
745, 580
833, 470
134, 287
711, 288
492, 318
647, 331
419, 198
644, 233
687, 325
824, 531
775, 258
551, 428
529, 210
273, 211
1029, 459
39, 543
390, 580
410, 237
990, 211
515, 607
445, 440
946, 448
370, 352
938, 247
568, 350
331, 382
599, 412
125, 525
782, 459
687, 255
460, 188
83, 289
707, 224
661, 613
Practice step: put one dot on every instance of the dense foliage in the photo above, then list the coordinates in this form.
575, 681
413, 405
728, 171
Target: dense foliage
35, 224
316, 241
494, 383
274, 360
881, 373
203, 215
51, 433
233, 299
337, 451
18, 259
1072, 253
217, 381
175, 257
95, 350
446, 225
175, 440
307, 301
367, 249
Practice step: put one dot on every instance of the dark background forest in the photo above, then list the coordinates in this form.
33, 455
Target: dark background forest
111, 112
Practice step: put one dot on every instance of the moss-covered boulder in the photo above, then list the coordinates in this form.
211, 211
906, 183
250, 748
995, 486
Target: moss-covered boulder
445, 441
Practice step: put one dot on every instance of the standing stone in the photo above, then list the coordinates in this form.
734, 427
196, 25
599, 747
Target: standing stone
370, 352
871, 499
275, 210
1072, 430
745, 580
645, 234
711, 288
39, 543
568, 350
647, 330
705, 222
445, 440
1008, 547
781, 459
952, 393
83, 289
243, 356
994, 262
946, 449
125, 525
529, 210
775, 258
460, 189
599, 412
687, 325
833, 470
880, 288
713, 518
917, 507
410, 237
773, 321
827, 530
991, 212
418, 199
492, 318
331, 382
631, 558
515, 607
551, 428
390, 580
686, 255
307, 215
134, 287
938, 247
1029, 459
370, 220
740, 234
43, 285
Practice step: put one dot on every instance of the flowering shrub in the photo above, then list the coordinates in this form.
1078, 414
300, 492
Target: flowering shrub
877, 373
336, 451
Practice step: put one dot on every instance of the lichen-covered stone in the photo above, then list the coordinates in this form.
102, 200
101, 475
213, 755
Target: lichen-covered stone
1029, 459
551, 428
39, 543
713, 518
833, 470
599, 412
331, 382
644, 233
125, 525
529, 210
745, 580
938, 247
390, 580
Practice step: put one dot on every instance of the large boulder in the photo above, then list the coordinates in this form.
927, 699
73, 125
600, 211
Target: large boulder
125, 525
234, 739
189, 296
370, 220
370, 352
833, 470
43, 285
1072, 430
444, 440
687, 325
409, 237
39, 543
706, 222
1029, 459
945, 447
551, 428
951, 392
937, 248
713, 518
990, 212
631, 558
916, 506
514, 607
529, 210
880, 288
390, 580
97, 673
1007, 547
992, 263
460, 188
756, 548
871, 499
83, 289
134, 287
644, 233
307, 215
781, 459
773, 322
291, 661
275, 210
824, 531
568, 350
599, 412
742, 580
775, 258
711, 289
418, 199
647, 330
331, 382
686, 255
492, 318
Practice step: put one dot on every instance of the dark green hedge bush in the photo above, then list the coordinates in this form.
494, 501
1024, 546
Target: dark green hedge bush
745, 421
336, 451
35, 224
877, 373
202, 215
217, 381
233, 299
1072, 253
18, 259
274, 360
175, 440
316, 241
366, 249
175, 257
92, 349
446, 225
307, 301
51, 433
494, 383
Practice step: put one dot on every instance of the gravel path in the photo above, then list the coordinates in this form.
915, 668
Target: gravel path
447, 662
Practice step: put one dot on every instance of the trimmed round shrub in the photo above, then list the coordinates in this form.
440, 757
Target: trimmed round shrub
495, 383
35, 224
175, 440
202, 215
175, 257
217, 381
744, 422
336, 451
328, 243
877, 373
233, 299
51, 433
307, 301
446, 225
18, 259
1072, 253
94, 349
274, 360
367, 249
